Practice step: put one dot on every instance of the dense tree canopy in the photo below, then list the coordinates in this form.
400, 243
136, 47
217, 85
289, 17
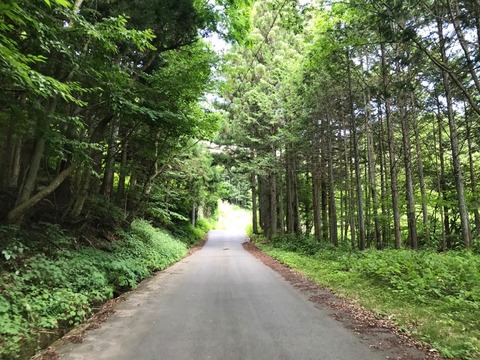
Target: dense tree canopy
99, 100
353, 121
343, 124
357, 121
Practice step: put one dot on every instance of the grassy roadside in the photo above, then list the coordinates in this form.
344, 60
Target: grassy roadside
55, 282
436, 297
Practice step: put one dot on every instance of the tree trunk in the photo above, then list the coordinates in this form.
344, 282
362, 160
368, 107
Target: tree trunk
81, 197
392, 155
383, 182
281, 214
457, 169
324, 198
349, 200
297, 220
473, 179
107, 183
442, 188
307, 208
356, 156
421, 180
273, 204
290, 191
7, 155
407, 159
332, 208
20, 210
317, 219
371, 169
194, 214
86, 185
264, 198
254, 204
14, 172
122, 177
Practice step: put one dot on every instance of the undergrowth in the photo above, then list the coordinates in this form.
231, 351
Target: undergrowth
435, 296
190, 234
58, 287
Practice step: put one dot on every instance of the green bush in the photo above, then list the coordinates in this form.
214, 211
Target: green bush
424, 274
307, 245
190, 234
205, 224
49, 292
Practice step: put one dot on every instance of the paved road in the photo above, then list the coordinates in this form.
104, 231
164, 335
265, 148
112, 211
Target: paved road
220, 303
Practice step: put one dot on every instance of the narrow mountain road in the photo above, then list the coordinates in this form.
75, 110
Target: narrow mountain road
220, 303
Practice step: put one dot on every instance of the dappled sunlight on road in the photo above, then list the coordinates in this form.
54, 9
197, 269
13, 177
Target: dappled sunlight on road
233, 218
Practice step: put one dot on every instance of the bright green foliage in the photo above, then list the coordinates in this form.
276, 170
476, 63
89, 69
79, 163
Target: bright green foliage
58, 290
307, 245
450, 277
190, 234
435, 296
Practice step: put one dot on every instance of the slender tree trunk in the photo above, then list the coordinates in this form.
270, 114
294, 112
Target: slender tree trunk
407, 148
281, 214
107, 183
316, 185
342, 216
322, 146
440, 190
7, 156
332, 208
324, 199
392, 155
81, 197
442, 187
421, 180
317, 219
14, 171
407, 158
254, 204
307, 208
264, 197
457, 169
273, 204
297, 224
473, 179
130, 193
356, 155
386, 234
439, 173
290, 192
122, 176
349, 191
371, 170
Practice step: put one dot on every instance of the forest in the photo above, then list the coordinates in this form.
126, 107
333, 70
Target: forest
356, 124
106, 175
359, 122
350, 129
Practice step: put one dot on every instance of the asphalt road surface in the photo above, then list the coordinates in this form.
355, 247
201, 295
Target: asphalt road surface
220, 303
